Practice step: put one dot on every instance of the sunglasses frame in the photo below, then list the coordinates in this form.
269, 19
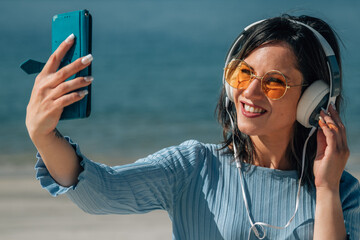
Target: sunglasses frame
254, 76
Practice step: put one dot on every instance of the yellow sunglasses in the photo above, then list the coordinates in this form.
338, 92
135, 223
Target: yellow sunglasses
238, 74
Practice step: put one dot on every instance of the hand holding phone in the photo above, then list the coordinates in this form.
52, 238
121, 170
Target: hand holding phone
77, 24
52, 92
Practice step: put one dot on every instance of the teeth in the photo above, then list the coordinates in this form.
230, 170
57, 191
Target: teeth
252, 109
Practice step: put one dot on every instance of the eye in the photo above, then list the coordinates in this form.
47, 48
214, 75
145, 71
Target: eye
274, 80
245, 71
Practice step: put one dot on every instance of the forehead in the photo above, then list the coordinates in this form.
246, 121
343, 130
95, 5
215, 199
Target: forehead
274, 55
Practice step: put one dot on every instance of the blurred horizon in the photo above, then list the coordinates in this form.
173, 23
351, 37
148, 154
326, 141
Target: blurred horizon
157, 68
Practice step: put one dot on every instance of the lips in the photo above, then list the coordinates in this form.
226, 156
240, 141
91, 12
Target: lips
252, 111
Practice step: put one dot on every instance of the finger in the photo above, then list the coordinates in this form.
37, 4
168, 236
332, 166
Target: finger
322, 123
336, 117
69, 86
70, 69
70, 98
328, 119
54, 61
334, 122
331, 135
335, 139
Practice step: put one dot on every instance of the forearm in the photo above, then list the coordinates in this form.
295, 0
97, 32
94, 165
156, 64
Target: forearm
50, 95
329, 219
59, 157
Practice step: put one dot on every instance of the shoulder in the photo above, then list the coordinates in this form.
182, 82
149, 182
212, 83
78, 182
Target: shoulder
184, 162
350, 200
187, 155
348, 182
191, 149
349, 190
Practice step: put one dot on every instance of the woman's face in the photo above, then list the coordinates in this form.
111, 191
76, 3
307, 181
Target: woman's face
258, 115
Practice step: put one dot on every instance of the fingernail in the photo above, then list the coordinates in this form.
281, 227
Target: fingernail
88, 79
83, 93
321, 119
333, 105
70, 38
88, 58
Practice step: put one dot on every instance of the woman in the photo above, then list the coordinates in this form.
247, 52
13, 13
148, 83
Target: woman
198, 184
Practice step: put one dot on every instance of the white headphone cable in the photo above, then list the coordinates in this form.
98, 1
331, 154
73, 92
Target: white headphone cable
238, 165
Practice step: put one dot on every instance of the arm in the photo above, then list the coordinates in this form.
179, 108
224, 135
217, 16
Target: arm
332, 155
329, 219
154, 182
49, 96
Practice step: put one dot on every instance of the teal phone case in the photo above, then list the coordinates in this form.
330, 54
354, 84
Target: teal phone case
80, 24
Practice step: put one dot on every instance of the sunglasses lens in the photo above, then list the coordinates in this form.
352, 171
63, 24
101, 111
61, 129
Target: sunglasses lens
238, 74
274, 85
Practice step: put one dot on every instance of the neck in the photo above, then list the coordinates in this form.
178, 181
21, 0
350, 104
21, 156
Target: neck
271, 151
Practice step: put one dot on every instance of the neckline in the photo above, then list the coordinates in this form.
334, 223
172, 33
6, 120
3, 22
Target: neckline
253, 169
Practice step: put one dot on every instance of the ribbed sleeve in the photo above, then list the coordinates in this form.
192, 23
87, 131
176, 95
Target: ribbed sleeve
199, 186
148, 184
43, 175
350, 198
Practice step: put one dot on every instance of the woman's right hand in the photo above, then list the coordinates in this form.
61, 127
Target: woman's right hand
51, 93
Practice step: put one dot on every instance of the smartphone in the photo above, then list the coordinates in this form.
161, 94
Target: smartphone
80, 24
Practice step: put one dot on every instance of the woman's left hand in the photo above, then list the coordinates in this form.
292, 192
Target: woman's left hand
332, 151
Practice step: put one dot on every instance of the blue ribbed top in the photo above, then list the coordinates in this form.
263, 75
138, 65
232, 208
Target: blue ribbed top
199, 186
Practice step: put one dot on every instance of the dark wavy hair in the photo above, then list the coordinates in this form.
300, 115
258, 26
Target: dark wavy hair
311, 62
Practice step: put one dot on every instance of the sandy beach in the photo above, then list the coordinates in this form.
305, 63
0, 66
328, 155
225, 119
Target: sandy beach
28, 212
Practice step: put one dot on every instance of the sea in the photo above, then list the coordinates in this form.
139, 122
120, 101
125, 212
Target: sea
157, 70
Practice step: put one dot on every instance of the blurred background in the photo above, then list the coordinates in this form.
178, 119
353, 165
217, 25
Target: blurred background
157, 68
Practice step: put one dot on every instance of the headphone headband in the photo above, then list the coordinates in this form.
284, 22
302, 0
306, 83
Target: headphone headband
333, 66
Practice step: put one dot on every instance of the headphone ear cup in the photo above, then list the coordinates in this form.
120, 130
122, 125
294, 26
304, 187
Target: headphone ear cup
229, 91
312, 100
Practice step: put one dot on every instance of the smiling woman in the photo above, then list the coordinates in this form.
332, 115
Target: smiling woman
288, 53
269, 68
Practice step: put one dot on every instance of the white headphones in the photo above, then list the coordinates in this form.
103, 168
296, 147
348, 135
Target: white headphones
316, 96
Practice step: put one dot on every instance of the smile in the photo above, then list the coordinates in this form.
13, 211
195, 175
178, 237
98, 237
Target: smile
251, 111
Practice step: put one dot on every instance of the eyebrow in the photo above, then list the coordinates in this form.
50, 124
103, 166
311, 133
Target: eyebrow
287, 77
252, 69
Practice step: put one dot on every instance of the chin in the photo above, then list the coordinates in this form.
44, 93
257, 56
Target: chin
250, 129
264, 130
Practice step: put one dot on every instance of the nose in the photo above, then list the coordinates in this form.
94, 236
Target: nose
253, 91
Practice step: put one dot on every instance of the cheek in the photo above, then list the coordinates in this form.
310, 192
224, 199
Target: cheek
289, 115
287, 109
236, 93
